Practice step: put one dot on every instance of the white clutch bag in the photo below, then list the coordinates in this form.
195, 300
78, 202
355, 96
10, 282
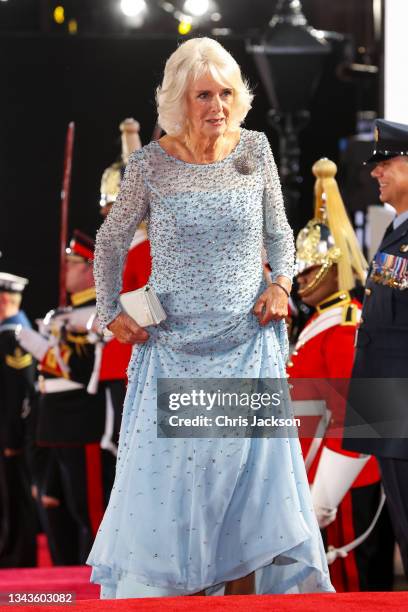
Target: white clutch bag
143, 306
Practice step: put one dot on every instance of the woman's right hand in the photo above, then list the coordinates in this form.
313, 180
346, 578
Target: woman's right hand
126, 330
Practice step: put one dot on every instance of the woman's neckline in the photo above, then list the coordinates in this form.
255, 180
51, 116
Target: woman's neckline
214, 163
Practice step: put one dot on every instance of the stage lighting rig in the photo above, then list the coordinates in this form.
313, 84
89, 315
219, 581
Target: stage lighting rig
190, 14
196, 8
133, 8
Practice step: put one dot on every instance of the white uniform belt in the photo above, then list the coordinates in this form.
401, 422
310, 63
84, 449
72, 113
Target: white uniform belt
58, 385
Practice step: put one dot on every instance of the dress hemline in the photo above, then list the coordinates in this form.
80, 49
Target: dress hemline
259, 563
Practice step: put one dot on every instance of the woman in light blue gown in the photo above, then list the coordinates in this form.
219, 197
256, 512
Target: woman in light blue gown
193, 515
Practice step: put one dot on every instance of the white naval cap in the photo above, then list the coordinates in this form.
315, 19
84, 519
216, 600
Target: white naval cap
12, 283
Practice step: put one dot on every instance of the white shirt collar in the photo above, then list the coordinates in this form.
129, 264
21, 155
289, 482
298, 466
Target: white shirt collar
400, 219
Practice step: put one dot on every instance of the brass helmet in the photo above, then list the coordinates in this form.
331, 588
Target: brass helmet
110, 184
315, 246
112, 176
329, 237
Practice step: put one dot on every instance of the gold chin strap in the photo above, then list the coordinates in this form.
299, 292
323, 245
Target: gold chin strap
324, 269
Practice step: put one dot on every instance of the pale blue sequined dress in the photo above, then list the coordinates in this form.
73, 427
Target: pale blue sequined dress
190, 514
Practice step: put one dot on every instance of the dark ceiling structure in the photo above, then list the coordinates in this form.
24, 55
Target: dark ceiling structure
161, 17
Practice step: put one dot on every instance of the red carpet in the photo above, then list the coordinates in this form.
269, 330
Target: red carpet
76, 579
43, 553
352, 602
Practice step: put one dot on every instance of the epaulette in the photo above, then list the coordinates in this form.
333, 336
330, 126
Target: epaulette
340, 298
350, 314
19, 360
82, 297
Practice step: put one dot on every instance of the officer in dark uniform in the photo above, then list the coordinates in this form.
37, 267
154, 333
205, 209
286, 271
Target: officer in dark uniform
382, 339
18, 520
72, 419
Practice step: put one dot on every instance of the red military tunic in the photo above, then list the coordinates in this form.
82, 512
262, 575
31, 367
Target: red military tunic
326, 350
136, 273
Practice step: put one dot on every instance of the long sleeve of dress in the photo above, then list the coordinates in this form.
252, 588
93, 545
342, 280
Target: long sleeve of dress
114, 237
278, 235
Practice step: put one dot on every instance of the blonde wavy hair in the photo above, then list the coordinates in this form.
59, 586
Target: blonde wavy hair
192, 59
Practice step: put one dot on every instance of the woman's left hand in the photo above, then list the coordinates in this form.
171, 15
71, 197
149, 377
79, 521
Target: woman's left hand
272, 305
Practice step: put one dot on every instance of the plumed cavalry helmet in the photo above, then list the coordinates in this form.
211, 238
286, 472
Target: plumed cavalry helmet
329, 238
315, 247
110, 184
112, 176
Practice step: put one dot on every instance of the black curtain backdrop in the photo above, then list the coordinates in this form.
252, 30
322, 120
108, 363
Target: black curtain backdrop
97, 82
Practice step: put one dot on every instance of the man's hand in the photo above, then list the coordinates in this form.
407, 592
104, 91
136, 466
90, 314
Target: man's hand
325, 516
47, 501
126, 330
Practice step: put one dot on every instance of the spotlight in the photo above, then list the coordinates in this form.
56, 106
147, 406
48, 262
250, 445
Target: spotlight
184, 27
132, 8
73, 26
196, 7
59, 14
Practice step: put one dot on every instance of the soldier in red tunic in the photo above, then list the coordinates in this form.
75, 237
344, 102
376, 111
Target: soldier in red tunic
345, 485
138, 262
